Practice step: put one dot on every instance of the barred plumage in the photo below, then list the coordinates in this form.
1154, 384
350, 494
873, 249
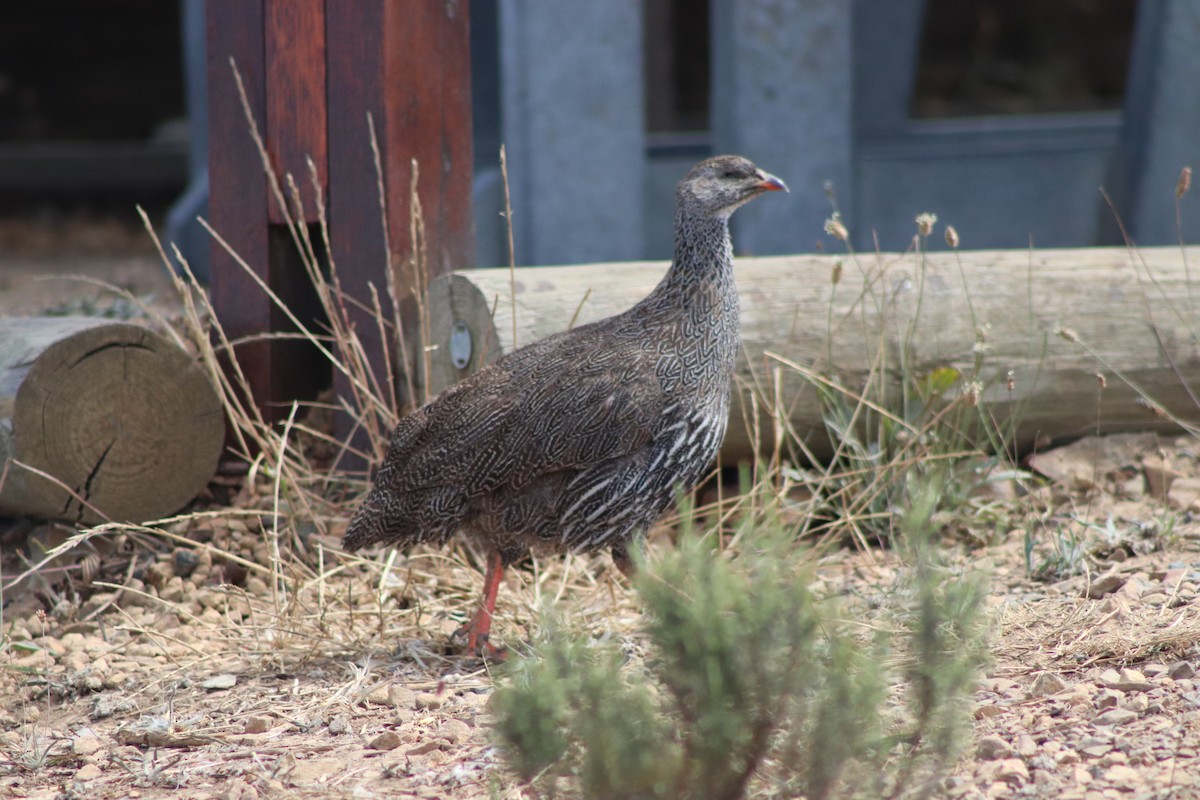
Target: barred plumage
581, 440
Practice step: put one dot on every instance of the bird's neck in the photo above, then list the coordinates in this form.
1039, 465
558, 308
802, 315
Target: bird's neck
703, 257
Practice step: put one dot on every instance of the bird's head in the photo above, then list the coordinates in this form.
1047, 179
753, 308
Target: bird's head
717, 186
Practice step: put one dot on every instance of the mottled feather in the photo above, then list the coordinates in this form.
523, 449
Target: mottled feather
581, 440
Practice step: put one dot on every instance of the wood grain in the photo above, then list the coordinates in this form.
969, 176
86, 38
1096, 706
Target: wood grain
1126, 315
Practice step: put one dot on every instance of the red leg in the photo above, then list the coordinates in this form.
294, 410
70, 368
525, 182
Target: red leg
480, 626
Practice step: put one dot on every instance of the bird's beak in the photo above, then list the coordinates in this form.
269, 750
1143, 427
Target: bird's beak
769, 183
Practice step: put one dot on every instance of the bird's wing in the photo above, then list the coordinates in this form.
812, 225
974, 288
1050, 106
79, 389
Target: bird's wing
559, 404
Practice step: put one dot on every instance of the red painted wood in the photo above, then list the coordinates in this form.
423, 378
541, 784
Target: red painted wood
238, 189
313, 69
429, 117
295, 97
408, 62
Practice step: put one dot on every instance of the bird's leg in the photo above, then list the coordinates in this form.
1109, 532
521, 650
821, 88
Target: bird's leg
480, 626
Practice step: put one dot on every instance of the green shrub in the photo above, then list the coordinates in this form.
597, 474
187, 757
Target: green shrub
750, 683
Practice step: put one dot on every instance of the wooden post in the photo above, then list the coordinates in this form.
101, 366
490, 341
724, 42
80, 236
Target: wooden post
313, 70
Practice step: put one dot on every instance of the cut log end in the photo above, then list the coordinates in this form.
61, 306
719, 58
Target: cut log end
112, 411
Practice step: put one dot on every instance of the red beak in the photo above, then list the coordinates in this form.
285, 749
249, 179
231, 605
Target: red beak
770, 183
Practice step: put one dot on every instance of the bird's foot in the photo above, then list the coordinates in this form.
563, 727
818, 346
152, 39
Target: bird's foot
477, 643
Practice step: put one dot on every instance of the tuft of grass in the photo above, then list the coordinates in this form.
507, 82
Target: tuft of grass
749, 681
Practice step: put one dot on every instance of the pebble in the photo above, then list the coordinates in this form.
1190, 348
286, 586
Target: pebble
427, 701
184, 562
992, 748
1095, 748
1026, 747
1013, 771
388, 740
453, 731
1127, 680
86, 745
426, 747
1105, 584
987, 711
1047, 683
401, 697
1181, 670
1116, 716
1122, 775
256, 725
88, 772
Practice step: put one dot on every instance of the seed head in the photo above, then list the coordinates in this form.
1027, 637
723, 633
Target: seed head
972, 392
836, 277
1010, 381
952, 237
925, 223
835, 228
1066, 333
1185, 183
1101, 381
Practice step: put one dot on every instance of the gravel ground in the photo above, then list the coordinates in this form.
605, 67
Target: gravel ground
189, 677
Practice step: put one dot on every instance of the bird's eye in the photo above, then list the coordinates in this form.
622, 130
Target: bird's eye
732, 173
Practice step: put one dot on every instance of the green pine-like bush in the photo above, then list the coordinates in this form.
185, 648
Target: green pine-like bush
750, 683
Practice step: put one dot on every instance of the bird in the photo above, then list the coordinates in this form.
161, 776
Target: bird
579, 441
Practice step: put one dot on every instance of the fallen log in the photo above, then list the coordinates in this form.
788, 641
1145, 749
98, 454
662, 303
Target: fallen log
115, 412
1030, 331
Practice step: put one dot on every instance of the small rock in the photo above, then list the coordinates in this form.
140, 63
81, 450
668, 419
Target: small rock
1184, 494
1066, 757
238, 789
1159, 475
256, 586
992, 748
1013, 771
1094, 748
379, 696
1047, 683
388, 740
1104, 585
1116, 716
427, 701
339, 724
1026, 747
453, 731
86, 745
426, 747
1107, 699
1127, 680
1121, 775
1153, 670
217, 682
52, 645
88, 772
1181, 670
988, 711
256, 725
184, 562
401, 697
158, 573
